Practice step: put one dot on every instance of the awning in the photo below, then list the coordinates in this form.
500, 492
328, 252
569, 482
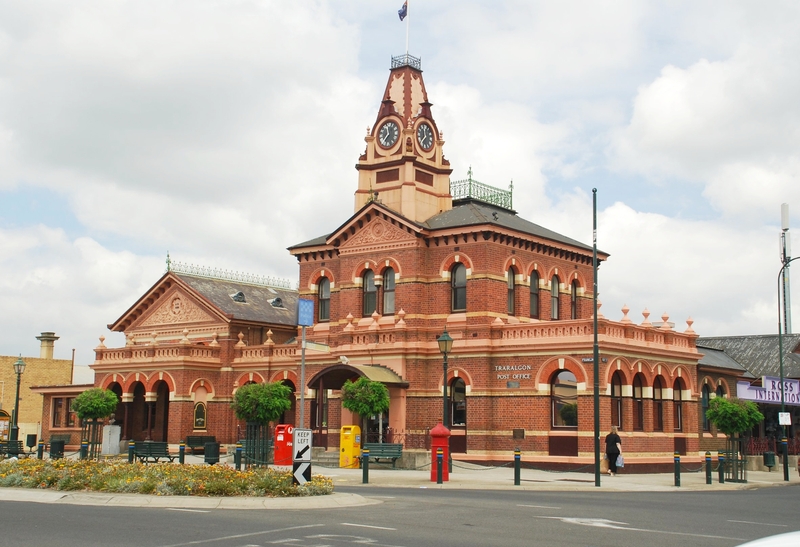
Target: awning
335, 376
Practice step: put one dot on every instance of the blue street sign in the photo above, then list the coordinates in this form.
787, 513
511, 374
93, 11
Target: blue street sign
305, 312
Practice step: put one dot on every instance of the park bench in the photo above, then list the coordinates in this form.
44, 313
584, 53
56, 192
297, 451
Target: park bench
12, 449
198, 442
386, 451
150, 451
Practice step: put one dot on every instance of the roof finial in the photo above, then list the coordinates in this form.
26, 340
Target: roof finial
169, 263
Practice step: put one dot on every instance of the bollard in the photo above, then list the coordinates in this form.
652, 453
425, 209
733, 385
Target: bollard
40, 451
785, 454
721, 464
182, 452
677, 469
517, 459
365, 466
130, 451
84, 449
439, 462
708, 467
237, 457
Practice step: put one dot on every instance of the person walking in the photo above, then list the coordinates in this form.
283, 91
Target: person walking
613, 449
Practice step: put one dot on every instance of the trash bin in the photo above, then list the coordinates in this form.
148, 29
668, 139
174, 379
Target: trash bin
211, 453
769, 459
56, 449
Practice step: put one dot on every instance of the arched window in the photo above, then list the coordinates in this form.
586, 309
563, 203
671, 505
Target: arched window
200, 416
705, 398
535, 295
458, 403
658, 404
554, 284
638, 402
677, 404
573, 300
324, 295
511, 291
564, 399
616, 400
370, 294
721, 391
388, 291
458, 280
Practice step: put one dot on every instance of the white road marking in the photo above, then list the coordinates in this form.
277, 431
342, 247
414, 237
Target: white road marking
759, 523
188, 510
605, 523
539, 506
368, 526
237, 536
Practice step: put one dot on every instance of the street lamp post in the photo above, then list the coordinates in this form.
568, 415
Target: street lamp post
445, 345
784, 451
19, 368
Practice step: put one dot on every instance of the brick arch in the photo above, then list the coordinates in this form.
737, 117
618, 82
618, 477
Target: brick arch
157, 376
552, 366
563, 276
113, 378
723, 382
134, 377
358, 273
447, 263
206, 383
387, 262
280, 375
576, 275
316, 275
462, 373
245, 377
534, 267
516, 263
625, 369
648, 370
687, 378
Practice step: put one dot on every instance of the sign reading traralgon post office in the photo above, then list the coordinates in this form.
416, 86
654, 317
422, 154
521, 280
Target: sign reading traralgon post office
770, 392
301, 456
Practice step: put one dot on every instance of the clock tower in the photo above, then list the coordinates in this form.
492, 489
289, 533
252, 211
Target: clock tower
403, 165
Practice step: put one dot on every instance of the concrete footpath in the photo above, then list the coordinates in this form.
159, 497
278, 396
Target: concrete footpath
464, 477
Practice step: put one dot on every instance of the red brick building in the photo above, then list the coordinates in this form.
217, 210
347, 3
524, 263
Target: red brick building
420, 255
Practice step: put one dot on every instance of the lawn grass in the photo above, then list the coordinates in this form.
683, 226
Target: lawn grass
161, 479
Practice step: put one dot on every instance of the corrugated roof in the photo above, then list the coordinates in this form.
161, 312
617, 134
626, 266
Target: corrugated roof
719, 359
257, 306
759, 354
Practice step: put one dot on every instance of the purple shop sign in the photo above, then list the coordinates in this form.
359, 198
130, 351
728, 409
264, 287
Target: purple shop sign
770, 392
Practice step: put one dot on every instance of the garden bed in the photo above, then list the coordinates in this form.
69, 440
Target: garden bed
163, 479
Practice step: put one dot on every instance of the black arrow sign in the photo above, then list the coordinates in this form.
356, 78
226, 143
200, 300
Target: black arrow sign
301, 452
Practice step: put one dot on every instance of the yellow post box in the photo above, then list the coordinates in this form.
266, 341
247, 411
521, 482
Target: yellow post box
349, 446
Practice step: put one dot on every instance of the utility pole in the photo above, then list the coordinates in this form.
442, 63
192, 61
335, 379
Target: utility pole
786, 257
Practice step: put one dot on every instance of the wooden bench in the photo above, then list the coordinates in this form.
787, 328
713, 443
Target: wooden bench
150, 451
198, 442
12, 449
386, 451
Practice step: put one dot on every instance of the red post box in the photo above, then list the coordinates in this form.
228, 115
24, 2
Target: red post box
440, 438
283, 444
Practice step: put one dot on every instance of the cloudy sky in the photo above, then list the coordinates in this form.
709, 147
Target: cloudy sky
226, 131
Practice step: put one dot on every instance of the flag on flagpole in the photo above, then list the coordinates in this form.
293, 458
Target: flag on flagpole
402, 12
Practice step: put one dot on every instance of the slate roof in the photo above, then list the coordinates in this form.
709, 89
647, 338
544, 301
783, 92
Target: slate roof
257, 306
717, 358
470, 212
759, 354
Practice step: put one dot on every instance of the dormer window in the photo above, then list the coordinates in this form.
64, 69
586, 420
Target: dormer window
276, 303
239, 297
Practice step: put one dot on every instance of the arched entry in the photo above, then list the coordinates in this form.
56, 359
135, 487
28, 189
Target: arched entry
289, 416
323, 417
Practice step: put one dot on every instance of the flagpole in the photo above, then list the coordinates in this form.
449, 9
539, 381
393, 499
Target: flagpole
407, 27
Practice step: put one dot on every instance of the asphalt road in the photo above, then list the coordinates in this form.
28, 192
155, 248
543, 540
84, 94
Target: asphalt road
422, 517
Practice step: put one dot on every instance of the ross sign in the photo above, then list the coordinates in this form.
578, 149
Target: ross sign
302, 445
305, 312
301, 472
770, 392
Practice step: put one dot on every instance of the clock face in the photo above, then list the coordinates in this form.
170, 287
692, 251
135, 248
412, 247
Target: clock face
425, 136
388, 133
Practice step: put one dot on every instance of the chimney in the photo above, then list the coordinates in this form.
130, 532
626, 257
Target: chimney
46, 349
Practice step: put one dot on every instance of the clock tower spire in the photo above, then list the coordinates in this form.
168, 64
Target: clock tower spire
404, 163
